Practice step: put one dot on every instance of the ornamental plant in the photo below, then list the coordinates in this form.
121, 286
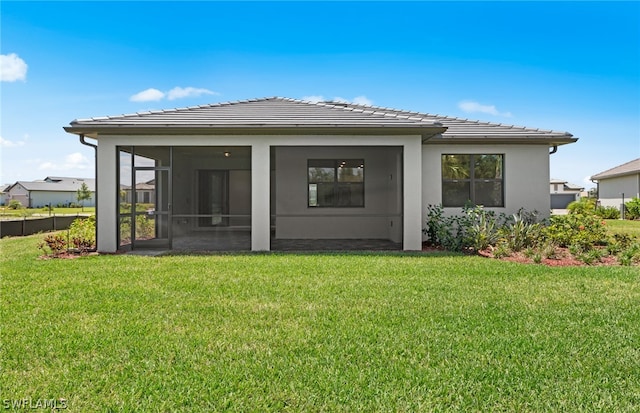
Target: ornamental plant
633, 208
578, 230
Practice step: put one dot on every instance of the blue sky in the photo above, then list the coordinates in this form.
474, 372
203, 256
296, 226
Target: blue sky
565, 66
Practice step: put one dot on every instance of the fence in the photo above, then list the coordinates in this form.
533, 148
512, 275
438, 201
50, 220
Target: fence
30, 226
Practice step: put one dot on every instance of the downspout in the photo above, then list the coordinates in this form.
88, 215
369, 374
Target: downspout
554, 150
95, 166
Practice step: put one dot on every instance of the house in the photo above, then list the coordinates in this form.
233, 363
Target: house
259, 174
4, 194
145, 192
622, 181
53, 190
563, 193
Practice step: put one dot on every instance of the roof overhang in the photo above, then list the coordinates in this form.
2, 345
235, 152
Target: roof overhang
489, 139
94, 131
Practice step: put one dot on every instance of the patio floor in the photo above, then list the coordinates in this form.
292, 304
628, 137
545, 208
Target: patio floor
241, 241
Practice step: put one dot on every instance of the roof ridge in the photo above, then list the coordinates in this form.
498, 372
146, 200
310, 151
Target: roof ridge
423, 116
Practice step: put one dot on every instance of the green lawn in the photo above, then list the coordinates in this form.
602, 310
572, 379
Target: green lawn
6, 212
317, 332
624, 226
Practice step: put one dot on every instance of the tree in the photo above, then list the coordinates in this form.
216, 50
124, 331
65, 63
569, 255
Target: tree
83, 194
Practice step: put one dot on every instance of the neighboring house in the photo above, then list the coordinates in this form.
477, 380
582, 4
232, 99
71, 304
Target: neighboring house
278, 169
4, 194
563, 193
618, 182
145, 192
53, 190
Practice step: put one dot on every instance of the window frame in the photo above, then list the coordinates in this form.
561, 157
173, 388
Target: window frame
472, 180
336, 184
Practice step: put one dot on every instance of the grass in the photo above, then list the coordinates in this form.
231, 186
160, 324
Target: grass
624, 226
317, 332
4, 211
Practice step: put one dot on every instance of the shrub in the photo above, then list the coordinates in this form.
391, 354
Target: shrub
608, 212
630, 255
632, 209
476, 228
83, 234
521, 231
14, 204
582, 231
54, 244
582, 206
480, 228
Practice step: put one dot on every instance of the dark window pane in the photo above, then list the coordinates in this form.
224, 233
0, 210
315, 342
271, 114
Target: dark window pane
455, 194
349, 195
321, 174
488, 193
488, 167
325, 194
347, 174
456, 166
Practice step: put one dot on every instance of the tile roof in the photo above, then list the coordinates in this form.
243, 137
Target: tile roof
64, 185
277, 112
629, 168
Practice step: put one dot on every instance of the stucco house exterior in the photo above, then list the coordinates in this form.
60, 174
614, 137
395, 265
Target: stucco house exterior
563, 193
619, 180
4, 194
54, 190
253, 174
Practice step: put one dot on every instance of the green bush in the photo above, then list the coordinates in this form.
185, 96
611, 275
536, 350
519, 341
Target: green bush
521, 231
582, 206
14, 204
82, 233
476, 228
582, 231
608, 212
632, 209
80, 236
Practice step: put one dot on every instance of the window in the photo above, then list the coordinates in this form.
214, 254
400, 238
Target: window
477, 179
336, 183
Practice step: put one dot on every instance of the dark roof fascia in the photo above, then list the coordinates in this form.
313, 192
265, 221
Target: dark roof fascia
487, 139
426, 131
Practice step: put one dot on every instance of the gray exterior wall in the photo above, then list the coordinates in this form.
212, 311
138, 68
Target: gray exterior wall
526, 175
380, 218
610, 190
42, 198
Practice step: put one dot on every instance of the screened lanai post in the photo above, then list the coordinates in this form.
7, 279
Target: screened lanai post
412, 190
260, 197
95, 172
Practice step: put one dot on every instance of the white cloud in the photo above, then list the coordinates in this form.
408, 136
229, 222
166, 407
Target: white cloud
12, 68
147, 95
313, 98
177, 92
358, 100
188, 92
470, 106
5, 143
362, 100
73, 161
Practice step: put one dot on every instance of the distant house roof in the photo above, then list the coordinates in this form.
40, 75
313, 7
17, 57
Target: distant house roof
629, 168
57, 184
573, 186
566, 185
4, 188
286, 115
